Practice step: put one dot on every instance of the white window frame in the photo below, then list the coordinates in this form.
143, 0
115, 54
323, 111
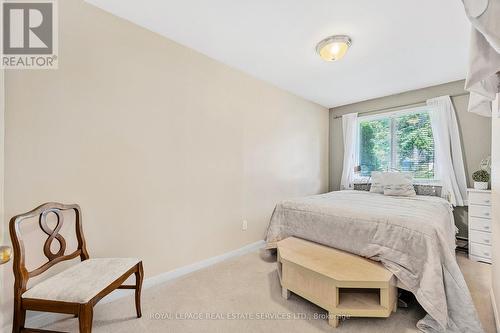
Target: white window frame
393, 114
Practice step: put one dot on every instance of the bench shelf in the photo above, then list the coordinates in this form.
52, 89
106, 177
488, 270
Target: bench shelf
342, 283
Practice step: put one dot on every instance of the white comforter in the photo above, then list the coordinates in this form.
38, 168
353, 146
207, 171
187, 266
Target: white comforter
414, 237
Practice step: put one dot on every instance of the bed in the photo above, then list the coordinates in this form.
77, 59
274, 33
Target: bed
413, 237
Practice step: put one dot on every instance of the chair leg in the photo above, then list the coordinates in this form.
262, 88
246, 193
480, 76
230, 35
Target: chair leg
19, 317
139, 276
85, 317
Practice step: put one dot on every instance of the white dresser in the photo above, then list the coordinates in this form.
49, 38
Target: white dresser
480, 225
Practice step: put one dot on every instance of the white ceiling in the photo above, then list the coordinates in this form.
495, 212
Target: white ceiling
397, 45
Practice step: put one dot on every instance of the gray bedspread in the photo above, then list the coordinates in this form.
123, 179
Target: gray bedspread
414, 237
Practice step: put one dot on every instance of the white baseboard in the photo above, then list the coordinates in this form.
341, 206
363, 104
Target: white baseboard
495, 310
37, 319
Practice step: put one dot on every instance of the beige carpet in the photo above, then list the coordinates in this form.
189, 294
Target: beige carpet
248, 286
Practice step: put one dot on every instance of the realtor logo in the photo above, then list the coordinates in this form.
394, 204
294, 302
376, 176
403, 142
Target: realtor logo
29, 34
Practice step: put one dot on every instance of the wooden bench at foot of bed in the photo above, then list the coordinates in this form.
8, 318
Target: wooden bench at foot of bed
342, 283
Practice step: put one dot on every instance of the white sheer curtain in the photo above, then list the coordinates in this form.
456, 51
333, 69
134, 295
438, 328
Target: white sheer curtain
350, 132
448, 149
483, 80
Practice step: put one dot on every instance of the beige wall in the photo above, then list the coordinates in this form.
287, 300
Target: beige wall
4, 238
495, 186
475, 132
166, 150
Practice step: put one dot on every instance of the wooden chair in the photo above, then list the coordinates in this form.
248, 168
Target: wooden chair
75, 290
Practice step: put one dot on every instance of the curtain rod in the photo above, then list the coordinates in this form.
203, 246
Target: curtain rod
393, 108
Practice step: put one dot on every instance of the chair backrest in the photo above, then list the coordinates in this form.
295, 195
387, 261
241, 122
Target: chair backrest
21, 273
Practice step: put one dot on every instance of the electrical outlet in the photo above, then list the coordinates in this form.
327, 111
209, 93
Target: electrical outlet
244, 225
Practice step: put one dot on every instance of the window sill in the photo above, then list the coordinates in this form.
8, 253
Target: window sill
415, 182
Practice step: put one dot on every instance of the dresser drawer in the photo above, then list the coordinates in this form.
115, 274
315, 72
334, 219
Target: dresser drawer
478, 198
481, 259
480, 211
480, 237
480, 224
480, 250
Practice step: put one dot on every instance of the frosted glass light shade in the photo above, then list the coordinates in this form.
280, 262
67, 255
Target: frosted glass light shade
333, 48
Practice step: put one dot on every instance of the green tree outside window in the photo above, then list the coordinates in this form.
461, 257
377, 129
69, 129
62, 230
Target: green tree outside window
403, 143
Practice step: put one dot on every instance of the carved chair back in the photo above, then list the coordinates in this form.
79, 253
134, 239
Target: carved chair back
21, 273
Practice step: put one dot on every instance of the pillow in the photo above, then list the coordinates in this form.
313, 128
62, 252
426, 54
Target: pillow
400, 190
377, 182
398, 184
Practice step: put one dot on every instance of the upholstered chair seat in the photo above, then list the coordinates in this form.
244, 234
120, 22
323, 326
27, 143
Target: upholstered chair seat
80, 283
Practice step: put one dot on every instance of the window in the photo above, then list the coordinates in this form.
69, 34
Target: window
398, 141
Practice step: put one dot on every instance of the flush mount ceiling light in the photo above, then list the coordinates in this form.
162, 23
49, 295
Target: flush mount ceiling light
333, 48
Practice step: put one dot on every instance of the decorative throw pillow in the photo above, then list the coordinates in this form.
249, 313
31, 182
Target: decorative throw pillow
377, 182
398, 184
400, 190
